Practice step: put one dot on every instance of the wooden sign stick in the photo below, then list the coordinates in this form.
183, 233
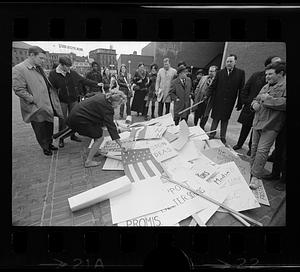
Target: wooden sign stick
190, 107
213, 201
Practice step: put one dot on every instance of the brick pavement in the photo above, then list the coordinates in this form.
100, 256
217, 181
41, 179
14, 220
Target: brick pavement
41, 184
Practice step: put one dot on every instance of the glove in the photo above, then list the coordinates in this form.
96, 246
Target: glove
238, 107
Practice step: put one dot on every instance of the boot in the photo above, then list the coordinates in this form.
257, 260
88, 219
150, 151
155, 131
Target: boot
145, 113
152, 110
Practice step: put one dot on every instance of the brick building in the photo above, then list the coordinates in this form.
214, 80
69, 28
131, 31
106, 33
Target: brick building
132, 61
195, 54
104, 57
20, 53
251, 55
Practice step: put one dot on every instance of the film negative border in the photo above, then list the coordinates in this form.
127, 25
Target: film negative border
184, 248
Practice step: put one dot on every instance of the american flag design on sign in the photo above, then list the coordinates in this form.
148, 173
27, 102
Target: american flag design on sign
140, 164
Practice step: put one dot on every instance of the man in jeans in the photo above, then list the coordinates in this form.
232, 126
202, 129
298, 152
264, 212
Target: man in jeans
162, 86
66, 81
270, 115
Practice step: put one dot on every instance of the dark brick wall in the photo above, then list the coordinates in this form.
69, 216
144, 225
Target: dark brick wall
252, 55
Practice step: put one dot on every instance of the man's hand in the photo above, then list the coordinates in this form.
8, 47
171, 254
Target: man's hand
256, 106
264, 96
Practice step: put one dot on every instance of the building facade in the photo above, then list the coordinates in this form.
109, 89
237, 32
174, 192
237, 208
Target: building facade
20, 53
132, 61
196, 54
104, 57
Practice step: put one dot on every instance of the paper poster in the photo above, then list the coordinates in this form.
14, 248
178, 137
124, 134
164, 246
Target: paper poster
215, 143
150, 132
156, 219
170, 137
222, 155
188, 152
196, 132
123, 135
145, 197
261, 194
162, 150
111, 164
240, 197
183, 136
165, 120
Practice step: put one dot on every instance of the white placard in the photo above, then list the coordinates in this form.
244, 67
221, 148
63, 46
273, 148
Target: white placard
145, 197
261, 194
111, 165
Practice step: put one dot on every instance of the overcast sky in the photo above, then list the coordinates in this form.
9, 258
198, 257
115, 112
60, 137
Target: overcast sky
120, 47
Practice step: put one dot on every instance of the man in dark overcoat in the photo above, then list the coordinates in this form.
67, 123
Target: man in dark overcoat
180, 93
251, 90
224, 90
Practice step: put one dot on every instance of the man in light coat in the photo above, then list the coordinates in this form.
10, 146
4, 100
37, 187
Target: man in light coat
38, 99
200, 93
180, 93
162, 86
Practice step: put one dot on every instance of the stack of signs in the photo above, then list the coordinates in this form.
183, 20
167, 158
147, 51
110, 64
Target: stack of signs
183, 138
147, 132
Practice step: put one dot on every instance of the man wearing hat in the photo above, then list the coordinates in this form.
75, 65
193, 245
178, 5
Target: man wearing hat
180, 93
66, 81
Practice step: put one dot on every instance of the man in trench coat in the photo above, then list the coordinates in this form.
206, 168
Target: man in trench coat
180, 93
38, 99
224, 90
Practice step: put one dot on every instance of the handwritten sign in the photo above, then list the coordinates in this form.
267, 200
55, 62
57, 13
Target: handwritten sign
222, 155
165, 120
198, 133
145, 197
170, 137
156, 219
261, 194
150, 132
162, 151
240, 197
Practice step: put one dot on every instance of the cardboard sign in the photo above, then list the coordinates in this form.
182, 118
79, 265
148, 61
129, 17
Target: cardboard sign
261, 194
123, 136
188, 203
156, 219
183, 136
150, 132
196, 132
145, 197
240, 197
189, 152
170, 137
222, 155
112, 165
165, 120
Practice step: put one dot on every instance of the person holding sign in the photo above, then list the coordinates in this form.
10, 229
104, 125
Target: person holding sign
180, 93
88, 117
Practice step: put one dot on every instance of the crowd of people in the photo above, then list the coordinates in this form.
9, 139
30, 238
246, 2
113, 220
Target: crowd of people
86, 104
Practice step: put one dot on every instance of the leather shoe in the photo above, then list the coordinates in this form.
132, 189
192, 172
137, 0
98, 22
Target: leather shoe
271, 177
236, 147
61, 143
47, 152
75, 138
52, 147
223, 141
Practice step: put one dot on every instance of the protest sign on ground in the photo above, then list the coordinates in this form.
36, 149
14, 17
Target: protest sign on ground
111, 164
261, 194
222, 155
145, 197
160, 148
183, 136
240, 197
